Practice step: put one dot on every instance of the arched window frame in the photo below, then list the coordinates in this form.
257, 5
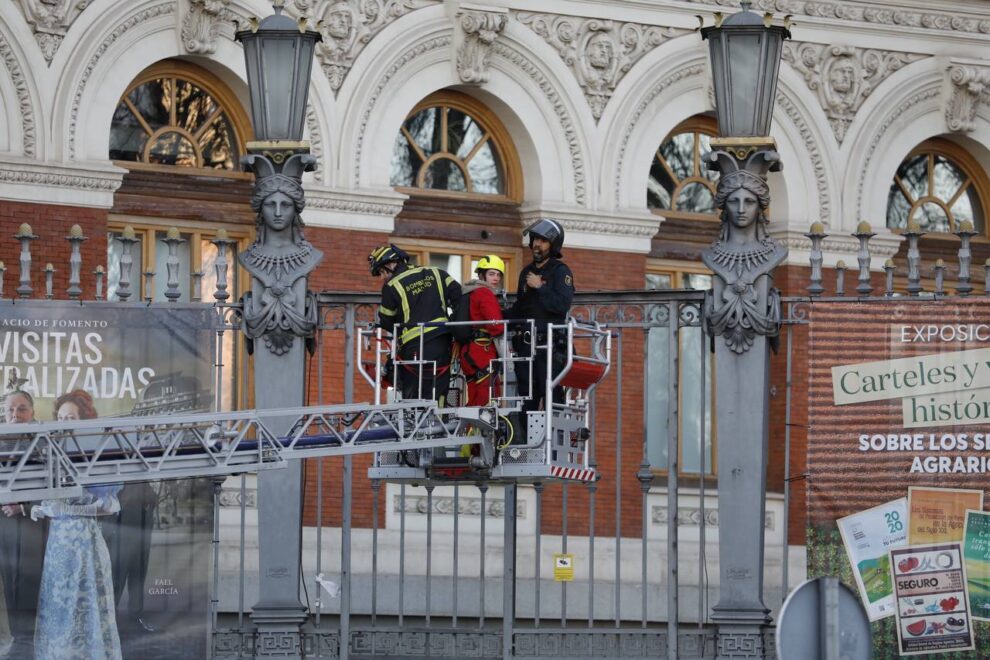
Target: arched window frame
215, 87
971, 169
698, 124
499, 136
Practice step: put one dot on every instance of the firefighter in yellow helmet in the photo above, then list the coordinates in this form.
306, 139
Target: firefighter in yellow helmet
478, 349
414, 308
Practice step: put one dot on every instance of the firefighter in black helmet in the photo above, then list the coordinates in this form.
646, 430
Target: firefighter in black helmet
545, 292
412, 295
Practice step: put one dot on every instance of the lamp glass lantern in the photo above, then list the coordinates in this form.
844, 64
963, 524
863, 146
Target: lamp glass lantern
745, 55
278, 53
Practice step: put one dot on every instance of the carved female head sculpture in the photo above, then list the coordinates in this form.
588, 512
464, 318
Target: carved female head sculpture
743, 198
278, 200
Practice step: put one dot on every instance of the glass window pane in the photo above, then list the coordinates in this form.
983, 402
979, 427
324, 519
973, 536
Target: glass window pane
485, 171
695, 415
463, 133
444, 174
405, 162
127, 136
193, 106
208, 267
678, 151
657, 397
449, 262
962, 210
218, 144
425, 130
657, 281
932, 217
914, 176
114, 252
152, 101
948, 178
659, 187
898, 208
698, 281
705, 148
182, 273
173, 149
696, 198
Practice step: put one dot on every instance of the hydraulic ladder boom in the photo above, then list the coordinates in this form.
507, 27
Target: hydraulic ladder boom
58, 459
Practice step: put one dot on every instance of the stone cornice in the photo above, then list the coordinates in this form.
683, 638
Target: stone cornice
365, 210
385, 203
84, 184
617, 232
872, 13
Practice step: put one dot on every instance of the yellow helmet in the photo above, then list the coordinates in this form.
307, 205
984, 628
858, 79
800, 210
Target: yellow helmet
490, 262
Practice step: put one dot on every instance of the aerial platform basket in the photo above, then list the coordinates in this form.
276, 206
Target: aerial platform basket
516, 446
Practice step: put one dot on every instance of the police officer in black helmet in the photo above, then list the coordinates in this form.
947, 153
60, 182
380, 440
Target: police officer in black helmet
545, 292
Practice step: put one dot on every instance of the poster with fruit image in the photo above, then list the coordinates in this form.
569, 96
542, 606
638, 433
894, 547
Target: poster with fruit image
867, 537
932, 603
976, 554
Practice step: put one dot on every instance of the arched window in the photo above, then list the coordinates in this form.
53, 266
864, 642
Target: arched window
176, 114
451, 143
679, 181
939, 185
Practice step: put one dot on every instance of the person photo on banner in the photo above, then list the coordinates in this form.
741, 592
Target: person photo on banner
22, 543
76, 613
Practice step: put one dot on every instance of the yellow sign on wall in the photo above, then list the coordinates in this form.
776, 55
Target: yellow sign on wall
563, 567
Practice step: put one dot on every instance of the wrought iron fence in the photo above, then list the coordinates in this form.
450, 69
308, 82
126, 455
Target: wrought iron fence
466, 570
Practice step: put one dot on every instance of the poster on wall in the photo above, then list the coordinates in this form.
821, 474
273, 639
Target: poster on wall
123, 565
938, 515
868, 536
976, 555
898, 407
932, 606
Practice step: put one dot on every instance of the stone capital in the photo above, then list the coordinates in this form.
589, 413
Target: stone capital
969, 84
478, 28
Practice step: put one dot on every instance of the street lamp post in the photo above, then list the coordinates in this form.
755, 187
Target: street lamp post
278, 314
743, 313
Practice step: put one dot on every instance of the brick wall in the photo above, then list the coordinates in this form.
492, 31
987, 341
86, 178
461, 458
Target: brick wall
344, 268
51, 224
596, 270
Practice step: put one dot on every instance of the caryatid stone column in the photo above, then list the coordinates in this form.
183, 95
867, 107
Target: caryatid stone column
279, 321
743, 315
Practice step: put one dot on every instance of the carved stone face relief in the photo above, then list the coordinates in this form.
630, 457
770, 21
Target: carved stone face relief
348, 25
340, 21
843, 76
50, 20
599, 52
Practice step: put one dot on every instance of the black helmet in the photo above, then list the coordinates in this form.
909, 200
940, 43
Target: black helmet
386, 254
549, 230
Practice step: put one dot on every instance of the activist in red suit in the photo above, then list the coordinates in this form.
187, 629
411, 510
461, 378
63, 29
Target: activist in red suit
477, 353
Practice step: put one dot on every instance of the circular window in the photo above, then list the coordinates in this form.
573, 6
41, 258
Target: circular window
171, 120
938, 186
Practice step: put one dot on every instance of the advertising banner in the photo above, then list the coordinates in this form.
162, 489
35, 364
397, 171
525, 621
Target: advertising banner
868, 536
898, 407
123, 570
932, 606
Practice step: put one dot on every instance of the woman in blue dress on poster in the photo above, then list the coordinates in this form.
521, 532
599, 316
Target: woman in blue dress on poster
76, 612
